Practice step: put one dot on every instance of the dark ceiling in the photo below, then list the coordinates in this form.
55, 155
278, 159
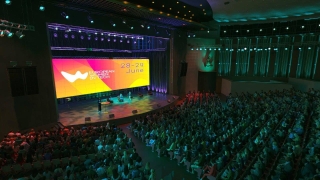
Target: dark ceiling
176, 14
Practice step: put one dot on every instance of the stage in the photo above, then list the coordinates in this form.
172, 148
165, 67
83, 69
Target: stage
75, 113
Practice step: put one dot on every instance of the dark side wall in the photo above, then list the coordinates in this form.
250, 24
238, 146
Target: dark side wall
19, 113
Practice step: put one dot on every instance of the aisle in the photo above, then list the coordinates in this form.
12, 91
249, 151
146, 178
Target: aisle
163, 166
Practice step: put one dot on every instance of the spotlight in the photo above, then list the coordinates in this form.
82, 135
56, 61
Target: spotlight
260, 30
7, 2
8, 33
237, 31
41, 8
148, 27
96, 38
19, 34
287, 28
142, 26
102, 39
66, 35
120, 40
124, 22
63, 14
90, 19
108, 39
248, 30
89, 38
302, 27
128, 41
274, 29
1, 33
131, 27
188, 35
114, 40
224, 31
194, 35
72, 36
81, 37
113, 24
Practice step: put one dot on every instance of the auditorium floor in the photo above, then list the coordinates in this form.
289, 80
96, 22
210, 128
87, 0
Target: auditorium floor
163, 166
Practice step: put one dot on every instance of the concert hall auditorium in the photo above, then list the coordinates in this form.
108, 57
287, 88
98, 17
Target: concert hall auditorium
159, 90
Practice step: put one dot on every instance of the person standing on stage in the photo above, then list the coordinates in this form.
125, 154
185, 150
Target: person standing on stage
99, 105
129, 94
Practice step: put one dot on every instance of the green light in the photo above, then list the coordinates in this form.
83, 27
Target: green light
8, 2
42, 8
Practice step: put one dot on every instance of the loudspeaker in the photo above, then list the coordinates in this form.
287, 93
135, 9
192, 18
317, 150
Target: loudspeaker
16, 81
135, 111
31, 79
183, 69
87, 119
111, 115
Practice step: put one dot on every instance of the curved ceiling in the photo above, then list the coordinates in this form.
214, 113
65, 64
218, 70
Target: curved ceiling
240, 11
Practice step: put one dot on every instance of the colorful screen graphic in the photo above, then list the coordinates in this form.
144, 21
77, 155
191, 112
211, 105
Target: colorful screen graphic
85, 76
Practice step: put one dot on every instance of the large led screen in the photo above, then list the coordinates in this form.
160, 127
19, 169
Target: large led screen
85, 76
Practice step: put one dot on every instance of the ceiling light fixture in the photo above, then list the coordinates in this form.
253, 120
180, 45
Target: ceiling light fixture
302, 27
248, 30
260, 30
41, 7
287, 28
124, 21
274, 29
113, 24
90, 19
63, 14
7, 2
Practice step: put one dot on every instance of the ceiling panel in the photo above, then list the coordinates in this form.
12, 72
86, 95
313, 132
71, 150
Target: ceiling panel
127, 9
259, 11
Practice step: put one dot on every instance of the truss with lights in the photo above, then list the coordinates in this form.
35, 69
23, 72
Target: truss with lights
76, 35
7, 27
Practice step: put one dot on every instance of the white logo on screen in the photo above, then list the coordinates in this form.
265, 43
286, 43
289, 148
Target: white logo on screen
73, 77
